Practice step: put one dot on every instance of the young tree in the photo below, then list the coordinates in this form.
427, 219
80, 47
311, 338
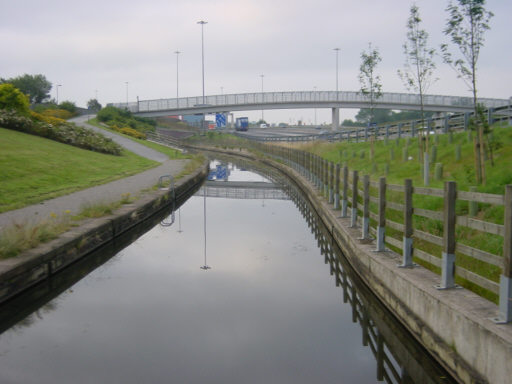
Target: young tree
93, 105
370, 82
417, 74
467, 22
37, 87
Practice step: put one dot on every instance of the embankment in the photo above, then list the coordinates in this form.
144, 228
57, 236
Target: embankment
35, 265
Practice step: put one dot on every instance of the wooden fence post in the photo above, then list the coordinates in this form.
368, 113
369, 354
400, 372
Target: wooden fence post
448, 258
331, 182
337, 188
366, 208
407, 244
505, 300
344, 200
381, 228
326, 177
353, 216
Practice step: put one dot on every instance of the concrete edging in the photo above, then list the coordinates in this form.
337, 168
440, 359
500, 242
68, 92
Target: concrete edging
454, 325
35, 265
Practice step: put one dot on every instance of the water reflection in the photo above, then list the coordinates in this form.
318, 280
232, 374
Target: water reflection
268, 313
400, 359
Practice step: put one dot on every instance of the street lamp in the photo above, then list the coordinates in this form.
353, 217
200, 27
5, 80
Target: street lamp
177, 89
262, 76
126, 94
58, 85
202, 22
337, 52
314, 88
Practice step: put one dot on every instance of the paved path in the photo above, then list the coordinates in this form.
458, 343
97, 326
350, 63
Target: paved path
130, 145
106, 193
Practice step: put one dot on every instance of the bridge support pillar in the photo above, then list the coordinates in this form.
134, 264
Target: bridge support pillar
335, 119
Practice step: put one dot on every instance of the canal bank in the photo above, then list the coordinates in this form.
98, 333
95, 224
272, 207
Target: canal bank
35, 265
454, 325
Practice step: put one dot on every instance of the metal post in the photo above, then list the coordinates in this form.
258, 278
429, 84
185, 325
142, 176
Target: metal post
466, 121
505, 299
400, 130
365, 230
413, 129
407, 244
448, 254
381, 229
325, 177
446, 124
344, 199
353, 216
337, 188
387, 132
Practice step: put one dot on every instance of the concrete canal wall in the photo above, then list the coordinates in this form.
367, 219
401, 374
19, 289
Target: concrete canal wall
35, 265
454, 325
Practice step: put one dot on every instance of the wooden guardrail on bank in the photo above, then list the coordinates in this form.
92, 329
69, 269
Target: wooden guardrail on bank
394, 215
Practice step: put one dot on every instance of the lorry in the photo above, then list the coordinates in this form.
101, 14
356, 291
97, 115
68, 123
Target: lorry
242, 123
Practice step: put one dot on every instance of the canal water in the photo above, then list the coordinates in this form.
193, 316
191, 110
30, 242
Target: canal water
241, 289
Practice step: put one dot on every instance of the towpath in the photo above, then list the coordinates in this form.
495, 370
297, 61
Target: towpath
105, 193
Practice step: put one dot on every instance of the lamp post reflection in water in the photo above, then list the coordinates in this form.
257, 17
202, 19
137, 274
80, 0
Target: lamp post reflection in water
205, 266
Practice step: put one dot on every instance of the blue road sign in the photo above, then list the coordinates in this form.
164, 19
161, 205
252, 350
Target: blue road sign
220, 119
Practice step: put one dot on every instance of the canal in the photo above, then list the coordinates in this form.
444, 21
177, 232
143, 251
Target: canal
240, 284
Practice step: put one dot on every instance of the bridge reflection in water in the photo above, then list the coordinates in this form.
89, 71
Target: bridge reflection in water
243, 190
400, 359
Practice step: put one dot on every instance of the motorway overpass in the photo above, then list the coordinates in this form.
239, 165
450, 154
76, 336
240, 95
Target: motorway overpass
300, 100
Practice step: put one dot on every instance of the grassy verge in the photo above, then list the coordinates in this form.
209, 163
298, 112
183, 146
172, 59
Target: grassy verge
33, 169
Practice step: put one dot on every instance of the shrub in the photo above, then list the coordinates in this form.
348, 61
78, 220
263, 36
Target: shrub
132, 132
46, 118
59, 113
63, 132
12, 98
68, 106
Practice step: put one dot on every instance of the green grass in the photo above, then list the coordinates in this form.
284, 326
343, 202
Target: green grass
357, 157
33, 169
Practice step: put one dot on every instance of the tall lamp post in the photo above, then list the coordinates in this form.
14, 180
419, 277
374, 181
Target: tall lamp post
314, 88
126, 94
202, 22
337, 53
58, 85
177, 89
262, 76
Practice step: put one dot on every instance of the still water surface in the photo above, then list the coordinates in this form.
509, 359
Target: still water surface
268, 311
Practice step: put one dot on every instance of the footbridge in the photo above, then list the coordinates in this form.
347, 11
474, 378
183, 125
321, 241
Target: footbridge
300, 100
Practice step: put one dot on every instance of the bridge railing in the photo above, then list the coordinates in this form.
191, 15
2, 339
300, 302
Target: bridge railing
300, 97
395, 216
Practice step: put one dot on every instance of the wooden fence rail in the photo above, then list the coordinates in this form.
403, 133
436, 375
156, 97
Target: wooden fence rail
339, 184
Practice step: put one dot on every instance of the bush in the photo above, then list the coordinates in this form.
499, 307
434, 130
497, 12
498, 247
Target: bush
133, 133
12, 98
46, 118
59, 113
113, 116
68, 106
63, 132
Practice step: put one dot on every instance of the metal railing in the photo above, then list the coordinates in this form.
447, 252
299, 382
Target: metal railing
312, 99
411, 128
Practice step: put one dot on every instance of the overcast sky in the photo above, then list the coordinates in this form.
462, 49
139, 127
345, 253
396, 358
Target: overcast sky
94, 45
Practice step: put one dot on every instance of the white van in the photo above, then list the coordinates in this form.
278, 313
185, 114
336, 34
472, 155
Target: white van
263, 125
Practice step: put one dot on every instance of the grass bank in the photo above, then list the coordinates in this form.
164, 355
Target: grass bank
33, 169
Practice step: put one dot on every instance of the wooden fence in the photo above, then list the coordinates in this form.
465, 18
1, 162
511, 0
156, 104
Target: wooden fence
388, 212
